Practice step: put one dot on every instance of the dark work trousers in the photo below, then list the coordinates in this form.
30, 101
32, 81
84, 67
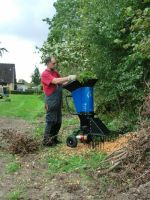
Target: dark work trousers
53, 115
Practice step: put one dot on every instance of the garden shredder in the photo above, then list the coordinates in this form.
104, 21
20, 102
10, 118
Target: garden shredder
91, 128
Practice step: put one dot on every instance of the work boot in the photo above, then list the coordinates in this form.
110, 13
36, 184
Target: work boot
48, 142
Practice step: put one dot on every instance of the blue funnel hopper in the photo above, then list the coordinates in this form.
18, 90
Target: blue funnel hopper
83, 99
82, 95
90, 127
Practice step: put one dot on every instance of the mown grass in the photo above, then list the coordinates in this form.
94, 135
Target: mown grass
27, 107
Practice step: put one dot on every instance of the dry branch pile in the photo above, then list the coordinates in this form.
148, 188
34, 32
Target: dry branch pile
129, 166
17, 143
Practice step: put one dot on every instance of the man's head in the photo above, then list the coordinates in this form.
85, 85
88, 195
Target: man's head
50, 62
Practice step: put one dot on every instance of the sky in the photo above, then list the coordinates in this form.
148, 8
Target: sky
21, 30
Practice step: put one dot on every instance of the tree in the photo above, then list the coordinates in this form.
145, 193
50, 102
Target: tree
111, 39
135, 40
2, 50
36, 77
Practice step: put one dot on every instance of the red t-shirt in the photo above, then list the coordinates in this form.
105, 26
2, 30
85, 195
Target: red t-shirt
46, 80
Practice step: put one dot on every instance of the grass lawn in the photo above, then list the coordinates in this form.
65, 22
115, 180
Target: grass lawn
27, 107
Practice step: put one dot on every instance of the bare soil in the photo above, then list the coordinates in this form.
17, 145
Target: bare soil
34, 182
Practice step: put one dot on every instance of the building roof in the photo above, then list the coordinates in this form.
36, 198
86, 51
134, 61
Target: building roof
7, 73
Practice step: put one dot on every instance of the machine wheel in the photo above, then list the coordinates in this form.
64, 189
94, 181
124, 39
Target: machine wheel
71, 141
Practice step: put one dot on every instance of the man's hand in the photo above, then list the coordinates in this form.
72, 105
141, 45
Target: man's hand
72, 77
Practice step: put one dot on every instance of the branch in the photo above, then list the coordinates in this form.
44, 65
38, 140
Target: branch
2, 51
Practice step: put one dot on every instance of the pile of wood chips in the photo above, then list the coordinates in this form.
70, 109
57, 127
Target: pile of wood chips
106, 147
120, 142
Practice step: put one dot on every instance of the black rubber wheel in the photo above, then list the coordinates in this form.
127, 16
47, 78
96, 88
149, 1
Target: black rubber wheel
72, 141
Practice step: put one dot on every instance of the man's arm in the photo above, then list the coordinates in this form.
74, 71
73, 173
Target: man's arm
60, 80
64, 79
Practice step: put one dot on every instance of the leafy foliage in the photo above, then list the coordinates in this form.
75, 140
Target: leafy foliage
86, 75
135, 40
112, 40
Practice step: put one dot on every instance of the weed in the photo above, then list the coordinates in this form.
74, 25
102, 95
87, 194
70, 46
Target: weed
14, 194
12, 167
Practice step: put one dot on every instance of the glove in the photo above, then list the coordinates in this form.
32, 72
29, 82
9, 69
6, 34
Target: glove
72, 77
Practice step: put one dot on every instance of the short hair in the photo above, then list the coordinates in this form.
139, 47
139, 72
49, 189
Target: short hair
47, 60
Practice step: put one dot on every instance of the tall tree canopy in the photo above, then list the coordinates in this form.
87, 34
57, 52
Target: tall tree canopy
110, 38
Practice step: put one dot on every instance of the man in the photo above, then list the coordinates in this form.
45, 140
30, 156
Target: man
52, 88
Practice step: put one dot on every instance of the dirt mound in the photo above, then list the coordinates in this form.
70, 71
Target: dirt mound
16, 142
